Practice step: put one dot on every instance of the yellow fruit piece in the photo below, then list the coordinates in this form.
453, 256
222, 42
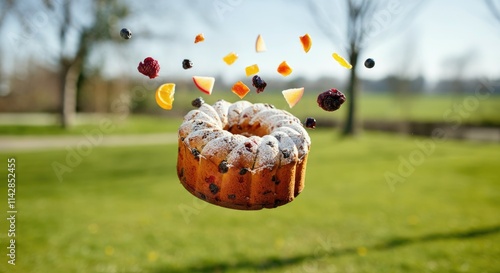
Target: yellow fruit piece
230, 58
260, 46
240, 89
252, 69
306, 42
165, 95
292, 96
341, 61
284, 69
205, 84
199, 38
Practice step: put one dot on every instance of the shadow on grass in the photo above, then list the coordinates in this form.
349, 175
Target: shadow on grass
277, 262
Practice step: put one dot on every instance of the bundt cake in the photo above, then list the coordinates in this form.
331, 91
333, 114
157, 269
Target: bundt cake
242, 155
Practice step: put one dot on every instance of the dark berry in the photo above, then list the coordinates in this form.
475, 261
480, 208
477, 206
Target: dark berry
197, 102
214, 189
369, 63
310, 123
223, 168
150, 67
126, 33
187, 64
243, 171
195, 152
259, 83
331, 100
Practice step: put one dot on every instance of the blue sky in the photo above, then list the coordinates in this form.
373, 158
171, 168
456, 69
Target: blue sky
413, 39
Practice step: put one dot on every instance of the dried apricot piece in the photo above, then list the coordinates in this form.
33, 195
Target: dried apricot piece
230, 58
306, 42
199, 38
240, 89
293, 95
252, 69
284, 69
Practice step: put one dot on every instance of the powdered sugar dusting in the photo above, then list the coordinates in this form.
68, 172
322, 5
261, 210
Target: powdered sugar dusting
268, 153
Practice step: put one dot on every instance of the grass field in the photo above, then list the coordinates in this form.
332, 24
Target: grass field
123, 210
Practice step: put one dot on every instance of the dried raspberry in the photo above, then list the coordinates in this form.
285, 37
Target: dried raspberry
150, 67
258, 83
331, 100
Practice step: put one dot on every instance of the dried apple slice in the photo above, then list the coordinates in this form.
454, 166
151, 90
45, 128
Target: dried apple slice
284, 69
306, 42
205, 84
165, 95
341, 61
240, 89
260, 46
252, 69
293, 95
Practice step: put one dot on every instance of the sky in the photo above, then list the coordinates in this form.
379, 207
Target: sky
407, 38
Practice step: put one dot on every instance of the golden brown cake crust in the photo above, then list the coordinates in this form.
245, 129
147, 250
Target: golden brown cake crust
242, 156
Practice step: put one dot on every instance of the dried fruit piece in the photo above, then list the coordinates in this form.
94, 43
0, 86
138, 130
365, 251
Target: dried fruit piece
306, 42
341, 61
311, 123
252, 69
260, 46
199, 38
205, 84
197, 102
258, 83
369, 63
187, 64
240, 89
293, 95
150, 67
331, 100
126, 33
230, 58
165, 95
284, 69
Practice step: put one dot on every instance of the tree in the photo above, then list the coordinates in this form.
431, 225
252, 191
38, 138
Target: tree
364, 20
71, 63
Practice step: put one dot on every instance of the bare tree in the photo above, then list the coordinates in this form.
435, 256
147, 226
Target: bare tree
364, 19
71, 62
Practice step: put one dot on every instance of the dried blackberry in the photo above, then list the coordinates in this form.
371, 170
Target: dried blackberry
259, 83
187, 64
125, 33
197, 102
311, 123
331, 100
214, 189
369, 63
223, 168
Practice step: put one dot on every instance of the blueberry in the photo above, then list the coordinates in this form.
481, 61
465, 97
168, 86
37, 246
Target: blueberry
369, 63
331, 100
259, 83
125, 33
310, 123
187, 64
197, 102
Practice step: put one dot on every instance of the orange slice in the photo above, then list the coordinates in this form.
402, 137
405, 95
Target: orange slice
252, 69
284, 69
205, 84
292, 96
341, 61
306, 42
230, 58
199, 38
260, 46
165, 95
240, 89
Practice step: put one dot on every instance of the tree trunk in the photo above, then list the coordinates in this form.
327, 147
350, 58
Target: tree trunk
352, 126
67, 87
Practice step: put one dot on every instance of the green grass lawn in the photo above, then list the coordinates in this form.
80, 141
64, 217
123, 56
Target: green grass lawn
124, 210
